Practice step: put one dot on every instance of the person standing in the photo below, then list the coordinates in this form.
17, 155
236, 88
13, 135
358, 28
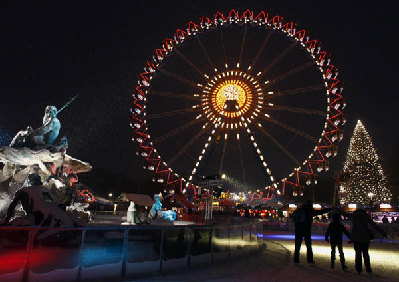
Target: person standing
385, 219
303, 219
334, 231
361, 236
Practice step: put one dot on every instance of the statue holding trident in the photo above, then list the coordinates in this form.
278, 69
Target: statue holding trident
39, 154
44, 136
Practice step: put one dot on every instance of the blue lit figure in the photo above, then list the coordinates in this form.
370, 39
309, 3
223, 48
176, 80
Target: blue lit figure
157, 206
169, 215
50, 129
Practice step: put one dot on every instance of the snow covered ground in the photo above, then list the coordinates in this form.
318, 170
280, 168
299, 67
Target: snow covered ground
276, 264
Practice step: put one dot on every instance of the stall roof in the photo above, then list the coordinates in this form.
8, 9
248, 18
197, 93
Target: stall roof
103, 200
385, 209
182, 200
140, 199
295, 206
290, 207
227, 203
348, 209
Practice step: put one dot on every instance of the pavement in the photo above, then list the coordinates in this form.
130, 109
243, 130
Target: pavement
275, 263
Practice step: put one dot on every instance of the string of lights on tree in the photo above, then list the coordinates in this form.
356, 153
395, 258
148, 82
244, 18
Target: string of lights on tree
365, 181
236, 100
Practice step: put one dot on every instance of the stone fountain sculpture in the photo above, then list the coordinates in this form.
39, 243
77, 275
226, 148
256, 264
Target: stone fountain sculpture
37, 152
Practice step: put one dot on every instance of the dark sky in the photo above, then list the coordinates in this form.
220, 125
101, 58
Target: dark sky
53, 50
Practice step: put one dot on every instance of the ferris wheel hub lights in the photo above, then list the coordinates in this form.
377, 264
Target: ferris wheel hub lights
231, 94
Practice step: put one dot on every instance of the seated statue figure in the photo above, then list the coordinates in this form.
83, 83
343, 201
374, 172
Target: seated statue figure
44, 136
48, 132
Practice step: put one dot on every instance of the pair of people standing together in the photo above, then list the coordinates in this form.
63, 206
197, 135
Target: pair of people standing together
360, 234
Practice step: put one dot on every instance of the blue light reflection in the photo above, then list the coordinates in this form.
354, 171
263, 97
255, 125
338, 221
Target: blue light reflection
286, 236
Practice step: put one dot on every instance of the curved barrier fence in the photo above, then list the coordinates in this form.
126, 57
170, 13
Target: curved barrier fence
70, 254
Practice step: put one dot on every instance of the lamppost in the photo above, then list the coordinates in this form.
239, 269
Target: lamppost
312, 180
211, 182
340, 178
337, 184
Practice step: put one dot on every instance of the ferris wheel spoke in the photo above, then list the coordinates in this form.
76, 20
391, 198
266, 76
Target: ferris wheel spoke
224, 49
174, 95
188, 145
241, 158
206, 53
267, 38
223, 154
242, 44
178, 77
172, 113
189, 62
294, 91
277, 59
278, 144
206, 147
292, 129
296, 110
177, 130
290, 73
259, 153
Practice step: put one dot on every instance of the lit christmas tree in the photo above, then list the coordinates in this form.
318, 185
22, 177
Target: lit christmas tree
365, 178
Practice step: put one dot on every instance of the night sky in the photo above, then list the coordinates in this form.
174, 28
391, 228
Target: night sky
53, 50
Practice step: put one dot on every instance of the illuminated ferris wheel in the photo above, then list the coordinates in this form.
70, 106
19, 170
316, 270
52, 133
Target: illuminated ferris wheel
249, 96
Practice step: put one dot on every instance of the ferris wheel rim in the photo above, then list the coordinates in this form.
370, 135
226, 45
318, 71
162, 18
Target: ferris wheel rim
333, 87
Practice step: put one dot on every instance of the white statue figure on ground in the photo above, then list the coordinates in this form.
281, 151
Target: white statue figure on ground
130, 213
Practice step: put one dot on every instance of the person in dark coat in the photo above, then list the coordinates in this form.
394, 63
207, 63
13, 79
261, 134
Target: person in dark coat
361, 236
334, 231
303, 219
385, 219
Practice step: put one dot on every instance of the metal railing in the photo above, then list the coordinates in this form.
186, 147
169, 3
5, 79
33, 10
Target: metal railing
320, 227
70, 254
